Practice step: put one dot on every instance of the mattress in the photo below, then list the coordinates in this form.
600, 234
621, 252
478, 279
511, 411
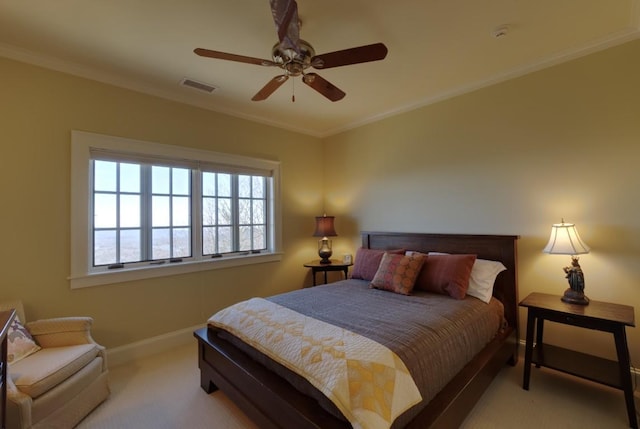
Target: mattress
434, 335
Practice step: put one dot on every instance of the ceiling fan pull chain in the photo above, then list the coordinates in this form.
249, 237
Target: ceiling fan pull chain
293, 90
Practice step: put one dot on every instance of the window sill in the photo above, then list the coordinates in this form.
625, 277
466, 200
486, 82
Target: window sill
111, 277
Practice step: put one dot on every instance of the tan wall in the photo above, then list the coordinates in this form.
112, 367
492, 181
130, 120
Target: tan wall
509, 159
38, 110
513, 159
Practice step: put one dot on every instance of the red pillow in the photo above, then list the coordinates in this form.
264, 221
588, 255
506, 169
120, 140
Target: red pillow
446, 274
398, 273
367, 262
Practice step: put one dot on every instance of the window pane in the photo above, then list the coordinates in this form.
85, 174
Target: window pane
224, 185
208, 211
244, 186
258, 211
130, 245
129, 211
245, 238
160, 180
104, 211
181, 182
129, 177
181, 212
181, 243
224, 211
104, 176
104, 247
259, 241
224, 240
209, 184
258, 187
244, 212
160, 211
161, 244
208, 241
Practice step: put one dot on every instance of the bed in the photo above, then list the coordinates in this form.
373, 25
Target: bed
272, 402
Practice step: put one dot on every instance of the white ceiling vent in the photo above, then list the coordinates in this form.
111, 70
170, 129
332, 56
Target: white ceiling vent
200, 86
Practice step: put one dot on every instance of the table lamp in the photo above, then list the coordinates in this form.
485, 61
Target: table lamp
564, 240
324, 229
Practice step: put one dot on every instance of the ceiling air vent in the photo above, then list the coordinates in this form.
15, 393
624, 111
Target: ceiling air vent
204, 87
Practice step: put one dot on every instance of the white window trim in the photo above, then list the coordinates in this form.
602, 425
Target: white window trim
81, 145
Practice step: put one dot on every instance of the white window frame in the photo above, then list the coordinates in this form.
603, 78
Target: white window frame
82, 143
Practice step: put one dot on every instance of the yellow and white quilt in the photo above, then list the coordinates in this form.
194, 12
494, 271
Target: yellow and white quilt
368, 383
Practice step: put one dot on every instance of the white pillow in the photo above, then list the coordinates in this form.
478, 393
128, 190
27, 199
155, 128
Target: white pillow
483, 276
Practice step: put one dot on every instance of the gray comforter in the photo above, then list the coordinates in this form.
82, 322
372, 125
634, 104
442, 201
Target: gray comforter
434, 335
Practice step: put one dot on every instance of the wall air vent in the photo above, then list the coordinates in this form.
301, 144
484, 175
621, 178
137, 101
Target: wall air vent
194, 84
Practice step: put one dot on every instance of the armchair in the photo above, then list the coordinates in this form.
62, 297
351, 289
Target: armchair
62, 382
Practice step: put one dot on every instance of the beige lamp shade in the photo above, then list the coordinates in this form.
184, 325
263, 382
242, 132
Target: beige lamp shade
564, 240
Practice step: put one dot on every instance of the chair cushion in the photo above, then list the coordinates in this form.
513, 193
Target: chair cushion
45, 369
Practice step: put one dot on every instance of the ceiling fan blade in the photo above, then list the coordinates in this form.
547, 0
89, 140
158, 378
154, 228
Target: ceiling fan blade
285, 16
323, 86
270, 87
361, 54
232, 57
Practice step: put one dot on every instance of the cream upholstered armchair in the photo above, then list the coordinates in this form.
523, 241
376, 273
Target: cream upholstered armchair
59, 380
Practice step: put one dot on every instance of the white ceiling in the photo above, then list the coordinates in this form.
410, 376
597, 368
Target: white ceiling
437, 48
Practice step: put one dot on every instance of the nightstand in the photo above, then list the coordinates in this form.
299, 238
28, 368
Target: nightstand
335, 265
601, 316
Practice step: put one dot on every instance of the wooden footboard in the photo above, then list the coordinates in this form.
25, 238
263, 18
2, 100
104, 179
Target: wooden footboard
267, 399
271, 402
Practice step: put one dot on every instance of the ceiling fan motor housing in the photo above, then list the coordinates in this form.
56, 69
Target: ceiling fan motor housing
292, 61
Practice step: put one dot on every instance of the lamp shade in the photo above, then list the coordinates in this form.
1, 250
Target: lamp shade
564, 240
324, 226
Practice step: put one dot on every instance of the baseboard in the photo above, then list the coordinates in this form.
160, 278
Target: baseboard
149, 346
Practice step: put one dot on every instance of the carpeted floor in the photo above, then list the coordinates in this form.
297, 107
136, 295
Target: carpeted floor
163, 391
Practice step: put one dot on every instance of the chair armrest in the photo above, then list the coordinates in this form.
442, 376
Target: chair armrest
18, 406
61, 331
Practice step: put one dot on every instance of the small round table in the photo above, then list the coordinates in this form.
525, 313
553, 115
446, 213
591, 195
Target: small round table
335, 265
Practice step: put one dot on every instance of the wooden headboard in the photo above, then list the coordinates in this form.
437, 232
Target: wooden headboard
493, 247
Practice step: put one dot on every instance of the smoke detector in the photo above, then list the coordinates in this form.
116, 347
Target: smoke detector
501, 31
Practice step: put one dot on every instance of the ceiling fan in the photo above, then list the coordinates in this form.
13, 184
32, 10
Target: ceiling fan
294, 55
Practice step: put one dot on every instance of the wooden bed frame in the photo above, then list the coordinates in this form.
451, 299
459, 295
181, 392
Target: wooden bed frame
271, 402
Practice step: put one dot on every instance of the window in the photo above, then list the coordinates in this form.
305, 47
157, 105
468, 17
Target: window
143, 210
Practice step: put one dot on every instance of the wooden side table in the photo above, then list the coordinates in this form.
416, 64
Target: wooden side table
335, 265
6, 317
601, 316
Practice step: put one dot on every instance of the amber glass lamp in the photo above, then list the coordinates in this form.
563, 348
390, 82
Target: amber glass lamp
565, 240
324, 229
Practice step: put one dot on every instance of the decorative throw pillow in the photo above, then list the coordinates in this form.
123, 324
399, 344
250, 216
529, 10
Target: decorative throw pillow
20, 342
483, 277
367, 262
397, 273
446, 274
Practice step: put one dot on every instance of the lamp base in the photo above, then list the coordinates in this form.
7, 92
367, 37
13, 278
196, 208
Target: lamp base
574, 297
324, 251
